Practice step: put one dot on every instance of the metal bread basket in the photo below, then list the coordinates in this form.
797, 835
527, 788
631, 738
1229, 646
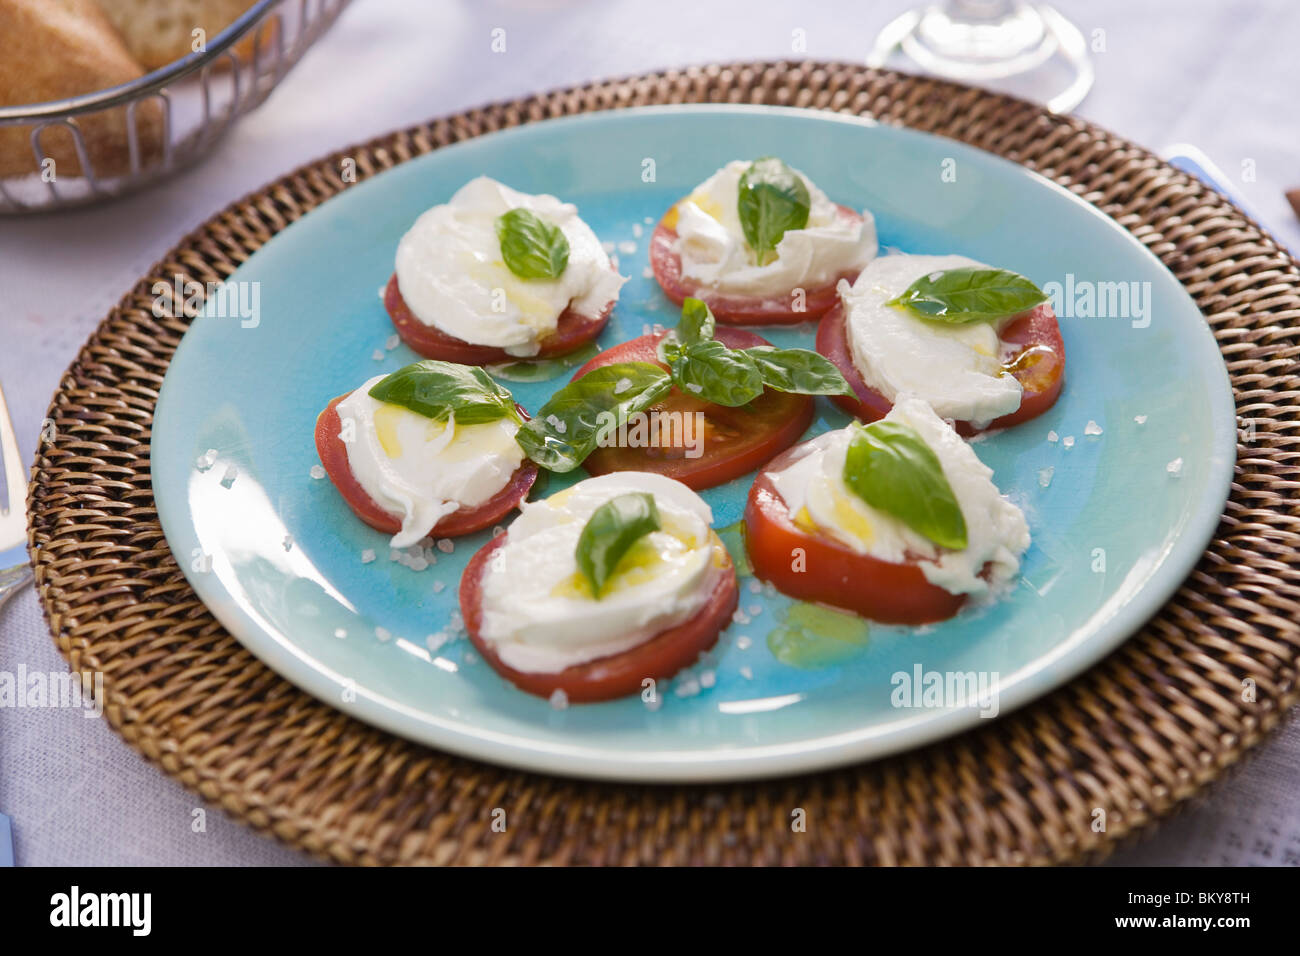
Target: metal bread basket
166, 119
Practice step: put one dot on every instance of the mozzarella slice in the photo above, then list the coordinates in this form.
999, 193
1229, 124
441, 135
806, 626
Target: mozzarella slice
712, 243
537, 607
452, 276
420, 469
957, 369
814, 491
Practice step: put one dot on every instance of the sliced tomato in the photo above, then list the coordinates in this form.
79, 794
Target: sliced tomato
731, 308
618, 675
815, 567
735, 440
572, 331
334, 457
1039, 366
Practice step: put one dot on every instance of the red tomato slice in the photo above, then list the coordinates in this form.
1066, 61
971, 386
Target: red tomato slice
736, 440
334, 457
832, 573
618, 675
572, 332
1039, 366
737, 309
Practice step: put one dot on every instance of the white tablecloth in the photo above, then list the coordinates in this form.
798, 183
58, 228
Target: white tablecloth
1217, 74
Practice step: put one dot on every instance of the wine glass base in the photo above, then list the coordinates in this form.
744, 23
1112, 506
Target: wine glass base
1031, 52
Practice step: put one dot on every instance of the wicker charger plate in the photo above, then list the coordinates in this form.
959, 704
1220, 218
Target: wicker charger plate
1135, 737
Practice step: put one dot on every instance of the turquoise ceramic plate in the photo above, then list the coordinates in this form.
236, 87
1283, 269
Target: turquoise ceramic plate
278, 557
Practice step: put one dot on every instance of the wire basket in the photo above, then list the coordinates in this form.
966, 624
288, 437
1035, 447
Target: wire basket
105, 144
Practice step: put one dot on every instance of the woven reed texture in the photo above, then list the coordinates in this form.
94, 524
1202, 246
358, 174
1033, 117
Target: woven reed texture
1137, 736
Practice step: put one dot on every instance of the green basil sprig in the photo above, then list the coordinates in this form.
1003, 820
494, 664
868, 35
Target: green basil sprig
611, 530
439, 390
531, 247
891, 468
969, 294
568, 427
773, 200
705, 367
798, 370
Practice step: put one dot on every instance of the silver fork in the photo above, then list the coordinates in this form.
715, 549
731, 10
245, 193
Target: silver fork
13, 517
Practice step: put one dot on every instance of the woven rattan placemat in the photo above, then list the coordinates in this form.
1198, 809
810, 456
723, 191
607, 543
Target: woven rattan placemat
1135, 737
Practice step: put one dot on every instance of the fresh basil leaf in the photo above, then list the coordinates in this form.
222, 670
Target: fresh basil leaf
891, 468
773, 200
531, 247
798, 370
610, 531
697, 323
715, 373
969, 294
439, 390
567, 428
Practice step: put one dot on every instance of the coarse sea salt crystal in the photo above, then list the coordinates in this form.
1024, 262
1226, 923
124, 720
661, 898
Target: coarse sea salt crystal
1140, 419
392, 342
317, 472
1068, 441
695, 387
622, 385
446, 545
1092, 428
438, 586
435, 641
627, 247
1175, 468
690, 687
367, 555
647, 273
206, 460
340, 633
747, 672
1053, 437
648, 220
739, 617
559, 699
754, 610
1045, 476
287, 542
755, 587
638, 230
383, 634
708, 678
743, 643
229, 477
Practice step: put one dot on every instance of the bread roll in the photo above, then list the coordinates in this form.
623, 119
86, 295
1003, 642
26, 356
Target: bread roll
158, 32
58, 48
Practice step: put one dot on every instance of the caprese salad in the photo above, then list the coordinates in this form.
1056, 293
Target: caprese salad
980, 345
496, 274
428, 449
760, 244
619, 579
897, 520
600, 589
